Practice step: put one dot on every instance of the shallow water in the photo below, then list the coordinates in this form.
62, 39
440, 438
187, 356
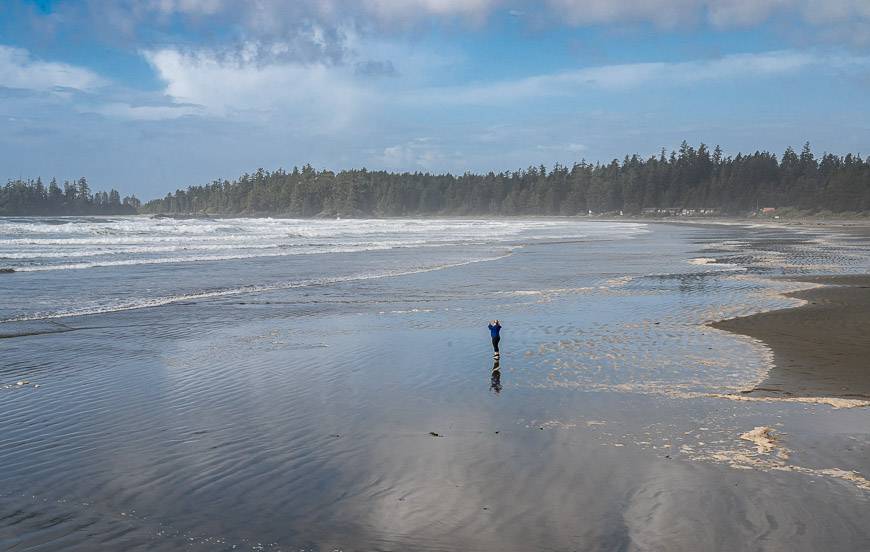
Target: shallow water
286, 402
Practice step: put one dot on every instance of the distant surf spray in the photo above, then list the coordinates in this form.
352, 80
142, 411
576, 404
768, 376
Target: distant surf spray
73, 266
42, 244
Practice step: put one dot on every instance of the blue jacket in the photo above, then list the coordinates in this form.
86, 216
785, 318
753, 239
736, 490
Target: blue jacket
493, 330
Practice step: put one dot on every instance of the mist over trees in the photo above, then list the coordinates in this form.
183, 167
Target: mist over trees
691, 178
32, 197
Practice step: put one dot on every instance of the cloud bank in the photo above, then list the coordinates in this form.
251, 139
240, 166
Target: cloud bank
282, 18
18, 69
631, 76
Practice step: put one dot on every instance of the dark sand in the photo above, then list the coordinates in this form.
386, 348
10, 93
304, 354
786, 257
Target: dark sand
821, 348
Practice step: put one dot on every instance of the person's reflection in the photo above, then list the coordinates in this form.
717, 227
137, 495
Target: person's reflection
495, 380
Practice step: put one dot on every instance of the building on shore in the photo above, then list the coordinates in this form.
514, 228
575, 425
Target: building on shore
679, 212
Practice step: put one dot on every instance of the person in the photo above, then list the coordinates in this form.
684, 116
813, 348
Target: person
494, 329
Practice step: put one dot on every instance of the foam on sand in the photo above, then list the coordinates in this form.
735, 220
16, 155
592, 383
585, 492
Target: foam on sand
770, 455
683, 390
763, 438
833, 402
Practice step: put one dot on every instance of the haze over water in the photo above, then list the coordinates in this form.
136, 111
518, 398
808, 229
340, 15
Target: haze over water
274, 384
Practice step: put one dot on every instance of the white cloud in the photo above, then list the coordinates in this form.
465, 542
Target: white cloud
743, 13
661, 12
838, 21
125, 111
570, 148
831, 11
720, 13
633, 75
326, 97
274, 14
243, 84
419, 153
18, 69
415, 9
190, 7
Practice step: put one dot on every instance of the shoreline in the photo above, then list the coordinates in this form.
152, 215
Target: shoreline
858, 222
820, 348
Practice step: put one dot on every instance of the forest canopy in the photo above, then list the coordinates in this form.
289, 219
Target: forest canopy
32, 197
696, 179
691, 178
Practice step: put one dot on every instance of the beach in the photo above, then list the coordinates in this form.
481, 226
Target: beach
297, 385
822, 347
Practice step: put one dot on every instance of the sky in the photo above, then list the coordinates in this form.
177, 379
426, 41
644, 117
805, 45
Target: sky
149, 96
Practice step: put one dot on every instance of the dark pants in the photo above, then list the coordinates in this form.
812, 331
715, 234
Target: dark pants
495, 341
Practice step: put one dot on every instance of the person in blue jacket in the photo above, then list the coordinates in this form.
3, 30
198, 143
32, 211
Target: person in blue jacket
494, 329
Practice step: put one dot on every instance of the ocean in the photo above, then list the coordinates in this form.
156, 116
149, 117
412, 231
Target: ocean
279, 384
137, 262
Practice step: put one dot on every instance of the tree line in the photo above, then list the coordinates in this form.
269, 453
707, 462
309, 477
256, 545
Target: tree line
32, 197
691, 178
688, 179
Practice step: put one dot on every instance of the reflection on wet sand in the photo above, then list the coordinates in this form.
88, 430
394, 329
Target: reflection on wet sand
495, 378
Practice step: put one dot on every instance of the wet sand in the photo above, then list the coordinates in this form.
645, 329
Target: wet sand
361, 415
820, 348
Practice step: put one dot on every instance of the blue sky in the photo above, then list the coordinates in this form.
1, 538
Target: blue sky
152, 95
